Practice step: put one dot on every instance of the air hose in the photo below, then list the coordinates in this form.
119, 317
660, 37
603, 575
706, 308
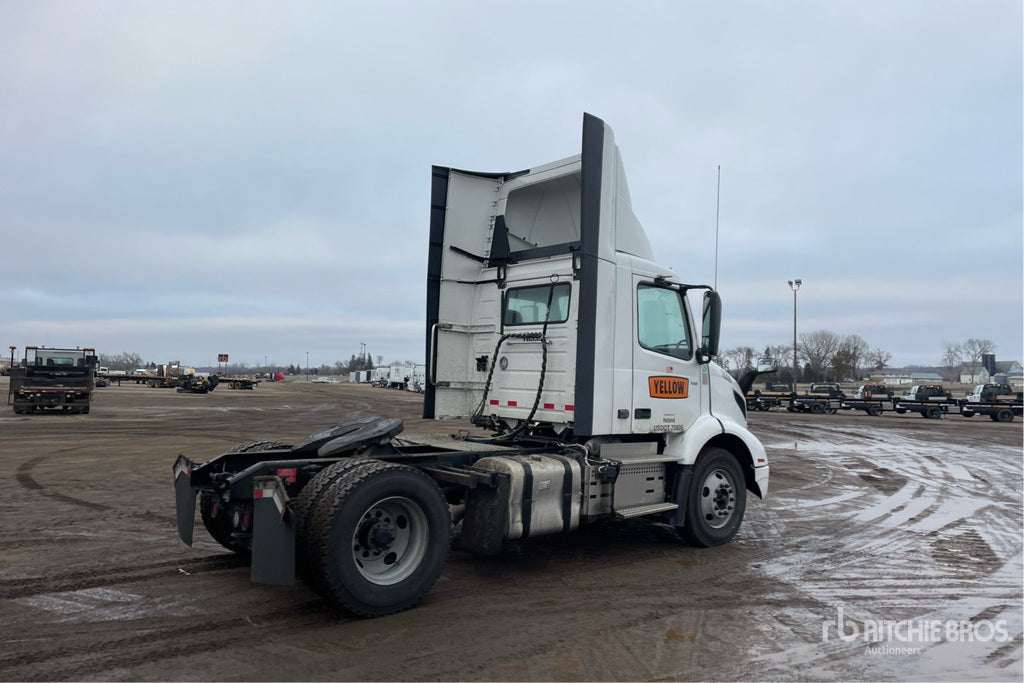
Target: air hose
525, 336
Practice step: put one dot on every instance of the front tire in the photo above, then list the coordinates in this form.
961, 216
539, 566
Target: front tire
716, 501
379, 539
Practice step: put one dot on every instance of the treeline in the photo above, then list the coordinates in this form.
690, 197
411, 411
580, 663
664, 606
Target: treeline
824, 356
127, 361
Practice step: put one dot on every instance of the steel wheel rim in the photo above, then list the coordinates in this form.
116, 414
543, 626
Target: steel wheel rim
717, 498
390, 540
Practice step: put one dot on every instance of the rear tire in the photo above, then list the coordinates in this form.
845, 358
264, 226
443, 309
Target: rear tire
817, 408
1004, 415
716, 501
874, 411
305, 507
218, 523
379, 539
933, 413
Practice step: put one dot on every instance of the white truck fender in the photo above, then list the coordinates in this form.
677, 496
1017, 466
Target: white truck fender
686, 446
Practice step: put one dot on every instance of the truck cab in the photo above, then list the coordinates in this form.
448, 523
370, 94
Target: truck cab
988, 393
926, 392
53, 379
865, 391
548, 314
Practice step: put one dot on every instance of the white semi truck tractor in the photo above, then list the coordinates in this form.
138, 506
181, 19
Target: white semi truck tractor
550, 326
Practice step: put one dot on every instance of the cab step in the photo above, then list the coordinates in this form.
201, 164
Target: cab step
641, 510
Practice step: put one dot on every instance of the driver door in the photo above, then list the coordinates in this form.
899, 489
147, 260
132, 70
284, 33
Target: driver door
667, 391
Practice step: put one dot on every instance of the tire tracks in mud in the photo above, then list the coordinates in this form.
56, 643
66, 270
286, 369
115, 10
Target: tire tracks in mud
105, 575
917, 526
23, 475
66, 660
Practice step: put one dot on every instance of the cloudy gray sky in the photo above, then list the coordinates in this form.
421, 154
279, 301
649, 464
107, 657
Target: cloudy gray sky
185, 179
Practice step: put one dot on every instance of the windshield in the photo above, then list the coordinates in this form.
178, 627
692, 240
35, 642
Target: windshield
58, 358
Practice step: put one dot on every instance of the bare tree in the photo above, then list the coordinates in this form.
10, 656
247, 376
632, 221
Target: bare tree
849, 355
819, 348
121, 361
738, 359
974, 349
877, 359
952, 358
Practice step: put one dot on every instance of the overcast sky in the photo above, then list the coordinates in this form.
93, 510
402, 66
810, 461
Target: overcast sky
185, 179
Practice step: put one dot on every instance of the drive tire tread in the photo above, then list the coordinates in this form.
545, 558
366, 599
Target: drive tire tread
319, 518
328, 576
306, 505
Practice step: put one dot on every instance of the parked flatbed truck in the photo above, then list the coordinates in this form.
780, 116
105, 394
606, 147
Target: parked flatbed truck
873, 399
550, 327
999, 401
51, 379
931, 401
766, 400
239, 382
820, 399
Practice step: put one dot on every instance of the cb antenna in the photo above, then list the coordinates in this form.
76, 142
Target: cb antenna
718, 204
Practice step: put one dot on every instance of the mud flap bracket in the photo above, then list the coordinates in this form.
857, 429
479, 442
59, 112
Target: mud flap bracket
184, 498
486, 518
273, 533
680, 495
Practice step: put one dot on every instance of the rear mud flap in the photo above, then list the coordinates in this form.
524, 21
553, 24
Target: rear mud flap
486, 518
273, 533
184, 498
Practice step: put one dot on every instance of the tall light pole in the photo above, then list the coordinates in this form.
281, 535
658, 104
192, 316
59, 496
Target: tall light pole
794, 285
307, 365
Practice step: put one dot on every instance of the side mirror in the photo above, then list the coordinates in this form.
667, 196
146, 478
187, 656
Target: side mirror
711, 327
766, 365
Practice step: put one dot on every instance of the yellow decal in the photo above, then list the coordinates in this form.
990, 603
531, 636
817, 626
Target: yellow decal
668, 387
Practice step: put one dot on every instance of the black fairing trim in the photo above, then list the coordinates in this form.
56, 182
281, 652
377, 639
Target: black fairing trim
590, 225
499, 243
438, 203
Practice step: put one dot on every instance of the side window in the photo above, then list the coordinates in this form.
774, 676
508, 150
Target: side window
661, 322
529, 305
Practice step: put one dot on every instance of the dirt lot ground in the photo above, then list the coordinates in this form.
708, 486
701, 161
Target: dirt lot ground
889, 548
